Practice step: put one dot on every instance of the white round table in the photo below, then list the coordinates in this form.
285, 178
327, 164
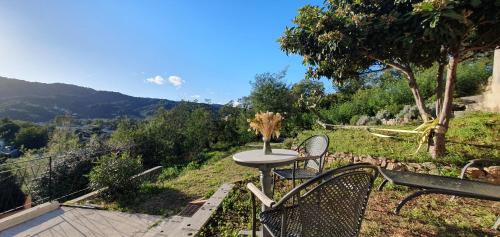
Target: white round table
257, 159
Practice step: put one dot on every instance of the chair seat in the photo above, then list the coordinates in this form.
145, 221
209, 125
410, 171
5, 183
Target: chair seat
272, 221
299, 173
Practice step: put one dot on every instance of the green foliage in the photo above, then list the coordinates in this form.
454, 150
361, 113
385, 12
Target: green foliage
472, 76
473, 136
116, 172
63, 140
270, 93
169, 173
69, 172
32, 137
178, 136
8, 130
11, 195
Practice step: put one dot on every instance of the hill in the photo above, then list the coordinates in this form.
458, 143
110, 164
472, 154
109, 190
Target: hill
41, 102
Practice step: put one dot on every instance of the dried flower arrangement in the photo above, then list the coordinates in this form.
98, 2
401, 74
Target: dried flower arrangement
269, 125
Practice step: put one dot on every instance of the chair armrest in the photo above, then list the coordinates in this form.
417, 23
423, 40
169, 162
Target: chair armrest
307, 158
260, 195
474, 162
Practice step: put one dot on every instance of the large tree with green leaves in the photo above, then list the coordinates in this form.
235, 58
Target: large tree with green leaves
270, 93
344, 39
462, 29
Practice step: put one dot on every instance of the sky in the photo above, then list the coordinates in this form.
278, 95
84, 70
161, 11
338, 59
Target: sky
162, 49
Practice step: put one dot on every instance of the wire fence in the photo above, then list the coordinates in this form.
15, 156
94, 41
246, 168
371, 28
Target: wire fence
29, 182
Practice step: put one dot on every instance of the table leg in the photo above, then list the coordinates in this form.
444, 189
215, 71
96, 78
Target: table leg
266, 181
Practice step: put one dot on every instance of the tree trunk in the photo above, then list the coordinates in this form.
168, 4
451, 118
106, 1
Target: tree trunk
439, 88
412, 82
440, 130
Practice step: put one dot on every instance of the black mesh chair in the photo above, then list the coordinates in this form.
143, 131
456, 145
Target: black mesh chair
313, 151
333, 204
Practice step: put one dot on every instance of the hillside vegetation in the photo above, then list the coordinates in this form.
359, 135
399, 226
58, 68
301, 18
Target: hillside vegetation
41, 102
474, 136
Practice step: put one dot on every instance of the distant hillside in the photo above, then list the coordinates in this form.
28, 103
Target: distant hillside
41, 102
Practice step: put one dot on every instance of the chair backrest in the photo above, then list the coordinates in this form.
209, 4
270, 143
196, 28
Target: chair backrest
316, 146
335, 205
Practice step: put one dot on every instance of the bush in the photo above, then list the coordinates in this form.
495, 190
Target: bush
288, 143
383, 114
169, 173
11, 195
115, 172
354, 119
32, 137
363, 120
69, 173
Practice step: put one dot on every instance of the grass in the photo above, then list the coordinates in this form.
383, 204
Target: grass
168, 196
474, 136
433, 215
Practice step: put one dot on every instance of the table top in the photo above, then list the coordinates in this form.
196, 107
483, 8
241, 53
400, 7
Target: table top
257, 157
459, 186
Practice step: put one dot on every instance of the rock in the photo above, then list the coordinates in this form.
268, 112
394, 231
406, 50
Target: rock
371, 160
475, 173
383, 162
396, 166
493, 171
493, 180
428, 166
413, 167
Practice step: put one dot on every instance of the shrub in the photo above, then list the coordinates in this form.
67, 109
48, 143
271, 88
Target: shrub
32, 137
115, 172
169, 173
363, 120
383, 114
288, 143
69, 170
354, 119
11, 195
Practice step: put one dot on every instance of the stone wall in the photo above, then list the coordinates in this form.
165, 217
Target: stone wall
489, 174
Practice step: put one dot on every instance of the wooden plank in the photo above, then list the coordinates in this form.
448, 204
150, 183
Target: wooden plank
191, 226
27, 215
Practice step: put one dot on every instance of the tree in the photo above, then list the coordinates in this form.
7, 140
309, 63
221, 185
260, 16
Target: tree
32, 137
462, 29
8, 130
270, 93
345, 39
63, 140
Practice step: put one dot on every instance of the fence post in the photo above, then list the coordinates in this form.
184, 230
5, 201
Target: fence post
50, 178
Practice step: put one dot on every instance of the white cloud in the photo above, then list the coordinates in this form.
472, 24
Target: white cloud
195, 96
158, 80
176, 81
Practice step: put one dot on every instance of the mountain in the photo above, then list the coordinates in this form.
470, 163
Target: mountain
41, 102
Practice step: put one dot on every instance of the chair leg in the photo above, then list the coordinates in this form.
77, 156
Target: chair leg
496, 226
412, 196
274, 185
381, 186
254, 217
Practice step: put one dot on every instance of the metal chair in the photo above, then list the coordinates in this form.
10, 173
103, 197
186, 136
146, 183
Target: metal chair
333, 204
314, 150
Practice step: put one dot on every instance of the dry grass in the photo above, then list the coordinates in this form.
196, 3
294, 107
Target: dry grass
432, 215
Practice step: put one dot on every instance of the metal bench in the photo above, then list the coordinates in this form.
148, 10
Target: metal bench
434, 184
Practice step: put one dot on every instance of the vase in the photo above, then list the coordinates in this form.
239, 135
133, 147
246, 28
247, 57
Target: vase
267, 146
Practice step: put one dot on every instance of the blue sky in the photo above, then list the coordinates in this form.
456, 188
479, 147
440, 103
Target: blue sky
162, 49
